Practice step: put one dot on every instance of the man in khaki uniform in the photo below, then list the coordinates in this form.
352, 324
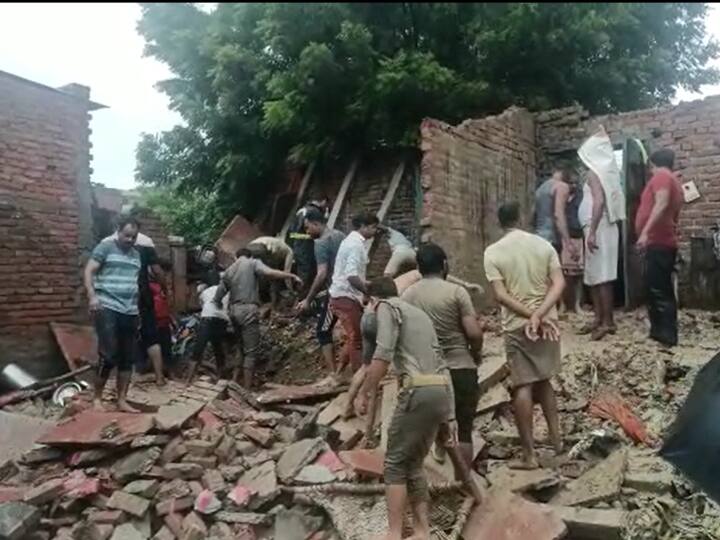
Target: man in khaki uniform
407, 339
455, 321
277, 255
526, 276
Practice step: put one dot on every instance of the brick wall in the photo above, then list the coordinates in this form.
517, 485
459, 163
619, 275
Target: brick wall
691, 129
44, 215
467, 172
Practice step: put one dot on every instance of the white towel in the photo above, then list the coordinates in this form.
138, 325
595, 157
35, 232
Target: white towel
598, 156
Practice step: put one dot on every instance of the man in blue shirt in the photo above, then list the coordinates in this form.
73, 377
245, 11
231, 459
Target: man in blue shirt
111, 282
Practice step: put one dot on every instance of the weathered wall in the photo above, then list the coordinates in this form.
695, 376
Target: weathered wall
467, 172
691, 129
45, 219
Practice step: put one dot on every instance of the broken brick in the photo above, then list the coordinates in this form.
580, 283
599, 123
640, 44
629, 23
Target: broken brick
262, 482
226, 450
78, 486
88, 457
172, 506
206, 462
174, 489
231, 473
132, 504
199, 447
174, 522
45, 492
207, 502
174, 450
240, 495
44, 453
135, 464
296, 456
91, 531
331, 461
193, 528
106, 517
214, 481
601, 483
195, 487
186, 471
593, 523
17, 519
247, 518
365, 462
164, 534
209, 421
262, 436
127, 531
150, 440
143, 488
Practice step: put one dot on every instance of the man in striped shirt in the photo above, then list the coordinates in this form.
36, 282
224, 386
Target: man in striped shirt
111, 282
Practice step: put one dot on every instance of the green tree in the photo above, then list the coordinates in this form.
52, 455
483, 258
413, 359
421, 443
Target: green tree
258, 84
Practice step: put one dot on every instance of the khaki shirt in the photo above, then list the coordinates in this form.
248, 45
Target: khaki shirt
280, 253
524, 262
446, 304
406, 338
241, 281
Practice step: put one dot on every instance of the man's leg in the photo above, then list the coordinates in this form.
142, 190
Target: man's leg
546, 397
396, 495
662, 303
127, 334
523, 410
419, 496
217, 340
323, 331
250, 325
597, 305
106, 329
350, 319
201, 340
608, 300
355, 384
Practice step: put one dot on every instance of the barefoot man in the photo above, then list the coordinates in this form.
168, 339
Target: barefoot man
111, 283
526, 276
406, 338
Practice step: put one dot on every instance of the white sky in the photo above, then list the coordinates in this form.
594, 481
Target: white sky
97, 45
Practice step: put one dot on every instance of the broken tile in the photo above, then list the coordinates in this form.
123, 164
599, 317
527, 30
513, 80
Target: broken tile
132, 504
365, 462
17, 519
288, 393
504, 516
296, 456
45, 492
601, 483
593, 523
262, 482
98, 428
207, 503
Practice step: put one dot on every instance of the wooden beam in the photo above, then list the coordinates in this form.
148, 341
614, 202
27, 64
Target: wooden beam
298, 200
389, 197
344, 188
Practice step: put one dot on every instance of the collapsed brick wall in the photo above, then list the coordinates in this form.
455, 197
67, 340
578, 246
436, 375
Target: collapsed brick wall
467, 172
691, 129
44, 216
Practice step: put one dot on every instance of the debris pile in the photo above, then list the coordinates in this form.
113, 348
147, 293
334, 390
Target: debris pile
215, 461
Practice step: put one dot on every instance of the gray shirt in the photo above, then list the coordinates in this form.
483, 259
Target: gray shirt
241, 281
407, 339
545, 211
326, 248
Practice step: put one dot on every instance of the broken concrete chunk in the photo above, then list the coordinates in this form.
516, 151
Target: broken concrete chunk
600, 484
92, 531
42, 454
172, 417
520, 481
132, 504
207, 503
193, 528
214, 481
206, 462
226, 451
17, 519
592, 523
296, 456
261, 436
45, 492
262, 482
150, 440
240, 496
245, 448
174, 489
296, 523
242, 517
106, 517
174, 450
231, 473
314, 474
199, 447
186, 471
127, 531
164, 534
135, 464
334, 410
174, 505
174, 523
493, 398
492, 371
143, 488
504, 516
649, 482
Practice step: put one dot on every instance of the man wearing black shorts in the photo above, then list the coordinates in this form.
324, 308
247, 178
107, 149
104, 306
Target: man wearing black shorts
459, 334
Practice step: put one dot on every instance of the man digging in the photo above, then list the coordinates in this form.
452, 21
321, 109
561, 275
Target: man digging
527, 279
406, 338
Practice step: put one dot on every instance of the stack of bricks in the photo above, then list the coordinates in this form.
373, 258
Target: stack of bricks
44, 217
691, 129
467, 172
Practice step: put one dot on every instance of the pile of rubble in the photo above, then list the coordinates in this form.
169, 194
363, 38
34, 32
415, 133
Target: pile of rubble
216, 461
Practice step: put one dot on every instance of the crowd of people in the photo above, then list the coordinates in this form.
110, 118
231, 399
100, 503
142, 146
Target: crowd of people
416, 320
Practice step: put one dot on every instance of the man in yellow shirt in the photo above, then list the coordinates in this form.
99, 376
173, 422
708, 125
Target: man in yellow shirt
527, 279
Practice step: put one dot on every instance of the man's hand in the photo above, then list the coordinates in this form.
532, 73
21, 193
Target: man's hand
532, 327
592, 242
572, 249
303, 306
550, 331
642, 242
360, 403
94, 305
297, 280
451, 440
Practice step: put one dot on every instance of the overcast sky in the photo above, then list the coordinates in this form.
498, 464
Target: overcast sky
97, 45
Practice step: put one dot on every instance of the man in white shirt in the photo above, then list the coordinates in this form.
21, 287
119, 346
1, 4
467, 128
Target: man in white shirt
214, 321
349, 285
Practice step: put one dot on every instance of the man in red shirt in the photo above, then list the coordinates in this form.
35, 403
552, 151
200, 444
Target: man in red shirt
656, 226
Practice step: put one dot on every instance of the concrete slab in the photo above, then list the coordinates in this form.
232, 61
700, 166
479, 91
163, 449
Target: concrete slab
78, 343
365, 462
600, 484
505, 516
296, 456
98, 428
18, 434
262, 482
17, 519
519, 481
290, 393
333, 410
592, 523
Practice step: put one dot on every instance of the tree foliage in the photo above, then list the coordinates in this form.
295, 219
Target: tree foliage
257, 84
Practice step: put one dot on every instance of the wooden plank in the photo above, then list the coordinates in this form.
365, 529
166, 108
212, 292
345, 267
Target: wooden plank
344, 188
298, 200
389, 196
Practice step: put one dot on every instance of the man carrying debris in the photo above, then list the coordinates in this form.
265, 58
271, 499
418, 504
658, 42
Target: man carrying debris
455, 321
601, 209
527, 280
349, 285
656, 226
327, 243
276, 254
406, 338
111, 283
241, 282
403, 253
